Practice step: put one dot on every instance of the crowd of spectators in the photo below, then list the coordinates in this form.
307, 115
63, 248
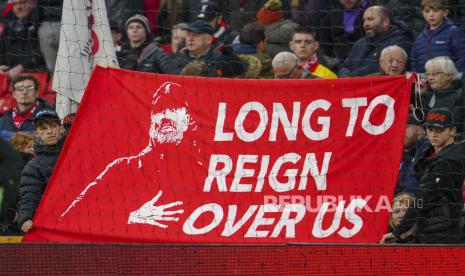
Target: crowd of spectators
264, 39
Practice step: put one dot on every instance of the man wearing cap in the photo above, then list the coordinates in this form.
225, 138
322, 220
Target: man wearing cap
439, 202
140, 53
36, 174
199, 47
20, 118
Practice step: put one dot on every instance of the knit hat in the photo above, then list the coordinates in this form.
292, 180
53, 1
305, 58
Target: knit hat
270, 12
139, 19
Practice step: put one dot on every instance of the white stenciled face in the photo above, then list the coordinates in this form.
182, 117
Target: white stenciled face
169, 125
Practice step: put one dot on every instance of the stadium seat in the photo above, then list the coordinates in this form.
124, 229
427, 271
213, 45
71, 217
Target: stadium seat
3, 85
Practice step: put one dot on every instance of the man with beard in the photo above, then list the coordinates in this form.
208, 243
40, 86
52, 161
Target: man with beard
380, 32
123, 193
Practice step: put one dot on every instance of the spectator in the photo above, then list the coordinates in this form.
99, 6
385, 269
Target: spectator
190, 9
443, 92
165, 16
140, 53
379, 33
19, 45
304, 44
252, 49
223, 36
49, 30
196, 68
400, 205
199, 47
23, 142
118, 12
341, 27
178, 39
415, 145
286, 66
245, 11
37, 172
278, 30
10, 172
392, 61
27, 106
440, 37
441, 172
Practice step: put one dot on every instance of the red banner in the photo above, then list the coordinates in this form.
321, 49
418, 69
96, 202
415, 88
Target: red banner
169, 159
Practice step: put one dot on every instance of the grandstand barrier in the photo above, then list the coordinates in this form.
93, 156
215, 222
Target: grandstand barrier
106, 259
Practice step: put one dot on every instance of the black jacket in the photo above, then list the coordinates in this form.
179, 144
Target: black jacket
452, 98
50, 10
11, 165
147, 58
19, 43
34, 179
439, 202
363, 59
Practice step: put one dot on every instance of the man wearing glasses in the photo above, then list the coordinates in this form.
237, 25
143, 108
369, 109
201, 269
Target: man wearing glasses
20, 118
286, 66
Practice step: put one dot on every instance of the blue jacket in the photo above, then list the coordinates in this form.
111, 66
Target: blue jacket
363, 58
446, 40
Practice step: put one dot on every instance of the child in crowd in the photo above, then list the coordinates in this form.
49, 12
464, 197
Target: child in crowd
440, 37
36, 174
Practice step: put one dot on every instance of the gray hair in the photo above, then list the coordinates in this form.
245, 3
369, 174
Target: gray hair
285, 59
388, 49
444, 63
180, 26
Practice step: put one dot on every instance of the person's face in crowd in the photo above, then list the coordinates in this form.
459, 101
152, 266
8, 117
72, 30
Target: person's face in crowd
178, 37
198, 44
49, 132
373, 23
169, 126
303, 45
393, 62
288, 71
399, 208
25, 93
349, 4
437, 79
434, 16
29, 148
440, 137
412, 133
23, 8
136, 32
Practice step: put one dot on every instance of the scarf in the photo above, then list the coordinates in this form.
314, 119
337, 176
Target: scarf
19, 119
311, 64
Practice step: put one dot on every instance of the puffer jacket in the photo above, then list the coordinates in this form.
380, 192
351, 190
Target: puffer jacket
34, 179
363, 59
438, 208
446, 40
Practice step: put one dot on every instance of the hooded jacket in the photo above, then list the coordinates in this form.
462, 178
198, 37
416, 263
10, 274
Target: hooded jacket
363, 59
438, 207
446, 40
34, 179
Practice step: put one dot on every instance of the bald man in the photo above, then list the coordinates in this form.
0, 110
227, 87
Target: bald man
286, 66
380, 32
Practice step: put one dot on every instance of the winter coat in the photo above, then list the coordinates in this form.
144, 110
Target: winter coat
50, 10
259, 64
119, 11
219, 65
11, 165
19, 44
278, 36
363, 59
439, 202
452, 98
446, 40
147, 58
8, 128
34, 179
